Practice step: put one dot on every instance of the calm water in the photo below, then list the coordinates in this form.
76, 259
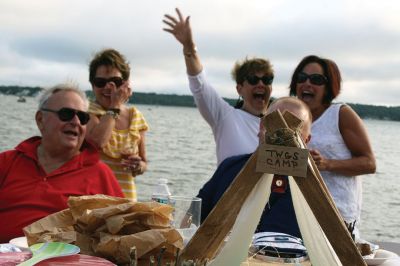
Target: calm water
180, 147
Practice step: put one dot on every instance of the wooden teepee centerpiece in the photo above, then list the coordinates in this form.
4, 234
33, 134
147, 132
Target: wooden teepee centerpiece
211, 234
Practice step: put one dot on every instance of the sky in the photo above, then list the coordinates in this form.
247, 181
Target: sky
46, 42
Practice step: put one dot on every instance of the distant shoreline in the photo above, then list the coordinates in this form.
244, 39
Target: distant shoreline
363, 110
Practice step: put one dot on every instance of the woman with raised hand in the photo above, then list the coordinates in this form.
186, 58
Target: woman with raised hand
339, 145
235, 129
118, 130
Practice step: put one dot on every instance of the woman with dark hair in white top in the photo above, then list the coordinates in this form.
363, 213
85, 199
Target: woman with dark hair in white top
339, 145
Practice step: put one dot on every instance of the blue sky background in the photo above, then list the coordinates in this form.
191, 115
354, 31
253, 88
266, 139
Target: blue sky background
44, 42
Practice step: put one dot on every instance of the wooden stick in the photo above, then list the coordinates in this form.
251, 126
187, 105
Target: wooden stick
160, 255
177, 254
152, 261
133, 256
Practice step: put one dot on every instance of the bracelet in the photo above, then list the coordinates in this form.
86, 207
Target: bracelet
190, 53
114, 112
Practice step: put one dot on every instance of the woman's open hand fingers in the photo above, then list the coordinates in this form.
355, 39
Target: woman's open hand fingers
179, 27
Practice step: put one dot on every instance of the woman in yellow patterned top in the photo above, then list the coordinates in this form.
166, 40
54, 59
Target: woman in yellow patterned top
116, 129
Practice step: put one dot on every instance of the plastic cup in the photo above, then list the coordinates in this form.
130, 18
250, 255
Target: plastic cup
128, 150
186, 215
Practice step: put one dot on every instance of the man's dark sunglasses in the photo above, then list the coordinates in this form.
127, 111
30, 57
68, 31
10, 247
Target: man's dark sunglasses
266, 80
67, 114
315, 79
101, 82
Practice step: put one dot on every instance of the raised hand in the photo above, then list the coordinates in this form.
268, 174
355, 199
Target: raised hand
120, 95
180, 28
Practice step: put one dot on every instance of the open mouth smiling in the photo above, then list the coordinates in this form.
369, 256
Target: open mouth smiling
71, 133
307, 95
259, 95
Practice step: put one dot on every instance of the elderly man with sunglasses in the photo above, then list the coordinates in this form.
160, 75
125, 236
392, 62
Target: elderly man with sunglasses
38, 176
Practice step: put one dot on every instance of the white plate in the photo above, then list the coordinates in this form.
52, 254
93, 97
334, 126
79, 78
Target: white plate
380, 257
20, 242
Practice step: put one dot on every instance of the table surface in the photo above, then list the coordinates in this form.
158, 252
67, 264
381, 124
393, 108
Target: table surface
390, 246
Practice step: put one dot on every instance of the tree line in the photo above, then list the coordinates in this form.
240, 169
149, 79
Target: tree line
363, 110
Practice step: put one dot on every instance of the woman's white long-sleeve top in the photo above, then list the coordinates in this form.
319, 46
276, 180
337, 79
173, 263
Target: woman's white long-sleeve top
235, 131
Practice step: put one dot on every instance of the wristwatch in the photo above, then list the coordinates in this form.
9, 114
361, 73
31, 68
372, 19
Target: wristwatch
114, 112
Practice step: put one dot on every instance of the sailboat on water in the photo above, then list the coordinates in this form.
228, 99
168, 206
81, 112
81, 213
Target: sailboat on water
21, 99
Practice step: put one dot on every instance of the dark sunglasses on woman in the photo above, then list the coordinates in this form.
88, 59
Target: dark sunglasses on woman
266, 80
315, 79
101, 82
67, 114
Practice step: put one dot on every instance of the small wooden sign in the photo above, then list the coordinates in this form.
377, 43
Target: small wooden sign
282, 160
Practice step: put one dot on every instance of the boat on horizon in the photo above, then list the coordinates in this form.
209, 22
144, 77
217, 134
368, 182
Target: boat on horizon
21, 99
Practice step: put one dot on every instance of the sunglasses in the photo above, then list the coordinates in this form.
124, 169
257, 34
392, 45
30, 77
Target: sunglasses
101, 82
266, 80
315, 79
67, 114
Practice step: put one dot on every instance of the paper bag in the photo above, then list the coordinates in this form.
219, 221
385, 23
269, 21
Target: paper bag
109, 226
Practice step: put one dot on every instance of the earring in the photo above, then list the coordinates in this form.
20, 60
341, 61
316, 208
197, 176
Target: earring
239, 102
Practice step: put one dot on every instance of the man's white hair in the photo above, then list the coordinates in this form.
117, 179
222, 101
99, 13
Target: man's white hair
69, 86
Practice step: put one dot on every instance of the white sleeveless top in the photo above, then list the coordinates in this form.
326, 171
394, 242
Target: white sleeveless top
327, 139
